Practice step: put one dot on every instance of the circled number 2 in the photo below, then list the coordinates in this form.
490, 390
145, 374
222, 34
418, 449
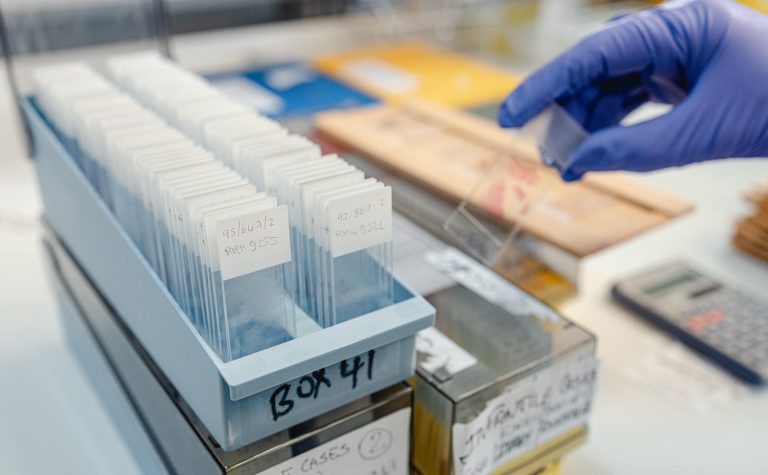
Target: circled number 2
375, 443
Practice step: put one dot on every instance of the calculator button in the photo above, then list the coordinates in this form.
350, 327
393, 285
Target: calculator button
752, 339
715, 338
701, 320
759, 340
746, 361
745, 345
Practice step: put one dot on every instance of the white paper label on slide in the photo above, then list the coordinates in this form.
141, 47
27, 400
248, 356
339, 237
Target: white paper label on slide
360, 221
253, 242
378, 448
531, 411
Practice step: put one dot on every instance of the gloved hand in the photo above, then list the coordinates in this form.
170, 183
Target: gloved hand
709, 58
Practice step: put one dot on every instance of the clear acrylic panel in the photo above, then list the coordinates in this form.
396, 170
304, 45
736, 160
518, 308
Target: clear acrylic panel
37, 33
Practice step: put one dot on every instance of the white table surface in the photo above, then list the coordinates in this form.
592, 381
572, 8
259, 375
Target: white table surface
52, 420
633, 429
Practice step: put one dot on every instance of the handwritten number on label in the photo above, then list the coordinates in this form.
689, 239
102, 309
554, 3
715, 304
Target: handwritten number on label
346, 372
356, 365
253, 245
387, 468
359, 211
371, 355
375, 443
258, 224
310, 385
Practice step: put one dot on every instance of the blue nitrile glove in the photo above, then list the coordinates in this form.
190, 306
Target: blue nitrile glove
709, 58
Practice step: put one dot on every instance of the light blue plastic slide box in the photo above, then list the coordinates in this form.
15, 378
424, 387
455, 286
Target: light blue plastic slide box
249, 398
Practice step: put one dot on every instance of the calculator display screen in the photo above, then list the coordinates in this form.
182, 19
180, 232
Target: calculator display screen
680, 279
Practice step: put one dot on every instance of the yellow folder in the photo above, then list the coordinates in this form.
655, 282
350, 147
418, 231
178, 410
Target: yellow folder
418, 70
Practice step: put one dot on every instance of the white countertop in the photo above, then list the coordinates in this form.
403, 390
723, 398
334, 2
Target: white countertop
636, 427
52, 420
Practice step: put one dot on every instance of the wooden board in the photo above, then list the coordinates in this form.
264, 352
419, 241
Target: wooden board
449, 151
751, 234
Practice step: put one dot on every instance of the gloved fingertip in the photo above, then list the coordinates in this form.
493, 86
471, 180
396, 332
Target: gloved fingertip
569, 175
591, 155
507, 118
609, 149
618, 16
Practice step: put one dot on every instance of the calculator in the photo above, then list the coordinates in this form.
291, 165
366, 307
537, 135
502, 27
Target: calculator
727, 326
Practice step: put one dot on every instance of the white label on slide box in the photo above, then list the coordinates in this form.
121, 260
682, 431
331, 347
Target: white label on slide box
379, 448
438, 353
531, 411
